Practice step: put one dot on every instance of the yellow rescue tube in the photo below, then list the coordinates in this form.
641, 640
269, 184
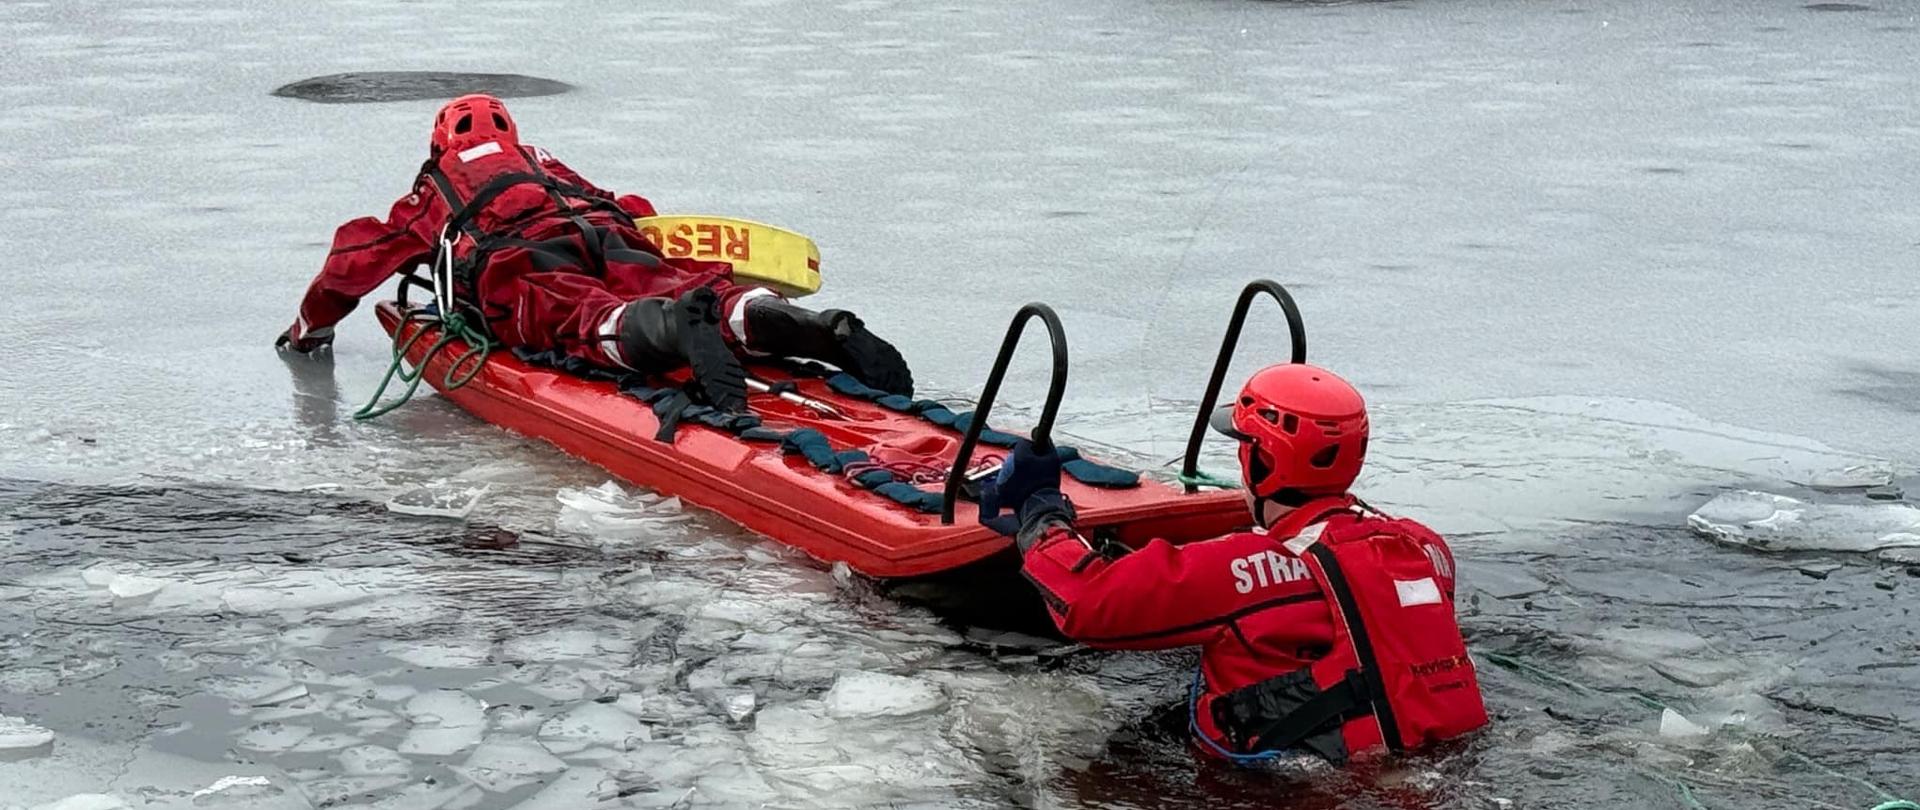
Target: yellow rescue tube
760, 253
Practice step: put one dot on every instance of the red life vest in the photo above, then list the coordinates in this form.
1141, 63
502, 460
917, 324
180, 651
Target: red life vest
1397, 675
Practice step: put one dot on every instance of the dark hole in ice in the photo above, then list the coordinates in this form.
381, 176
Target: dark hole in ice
416, 85
1838, 7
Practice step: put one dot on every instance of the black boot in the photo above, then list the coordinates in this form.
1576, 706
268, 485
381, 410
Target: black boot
659, 334
776, 326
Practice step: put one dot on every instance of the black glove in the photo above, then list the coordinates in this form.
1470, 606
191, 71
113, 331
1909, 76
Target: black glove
1042, 511
1025, 473
314, 341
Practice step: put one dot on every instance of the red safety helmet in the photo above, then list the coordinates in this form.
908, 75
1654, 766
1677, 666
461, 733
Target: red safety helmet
1300, 428
472, 120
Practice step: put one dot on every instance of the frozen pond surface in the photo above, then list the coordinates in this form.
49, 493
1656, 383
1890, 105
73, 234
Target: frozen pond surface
1596, 265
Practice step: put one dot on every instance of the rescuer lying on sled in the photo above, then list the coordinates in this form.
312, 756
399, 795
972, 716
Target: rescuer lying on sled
1329, 627
553, 262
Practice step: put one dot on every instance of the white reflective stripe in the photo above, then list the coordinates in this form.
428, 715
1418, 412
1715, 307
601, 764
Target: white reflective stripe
300, 326
737, 319
1423, 591
471, 154
609, 334
1299, 543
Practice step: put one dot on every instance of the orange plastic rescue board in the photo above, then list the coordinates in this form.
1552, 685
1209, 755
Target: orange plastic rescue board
782, 496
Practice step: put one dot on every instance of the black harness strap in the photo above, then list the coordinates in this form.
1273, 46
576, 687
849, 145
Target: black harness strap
1331, 704
558, 253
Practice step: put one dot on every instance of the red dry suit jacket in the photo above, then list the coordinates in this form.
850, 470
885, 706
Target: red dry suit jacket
1251, 605
367, 251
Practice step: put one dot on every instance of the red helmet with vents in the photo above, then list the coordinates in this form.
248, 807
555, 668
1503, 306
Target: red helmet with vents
1300, 428
472, 120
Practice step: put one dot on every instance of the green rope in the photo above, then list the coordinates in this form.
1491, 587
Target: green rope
1202, 478
1685, 791
452, 327
1521, 666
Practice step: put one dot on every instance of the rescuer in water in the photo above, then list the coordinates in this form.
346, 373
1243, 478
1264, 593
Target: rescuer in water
1327, 627
554, 262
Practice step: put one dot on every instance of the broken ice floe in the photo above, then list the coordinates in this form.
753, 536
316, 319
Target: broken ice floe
440, 499
1858, 476
20, 739
372, 760
1768, 522
502, 764
444, 722
593, 725
238, 790
125, 588
871, 694
608, 512
1675, 724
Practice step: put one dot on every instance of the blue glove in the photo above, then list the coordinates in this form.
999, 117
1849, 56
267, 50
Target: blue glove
1024, 473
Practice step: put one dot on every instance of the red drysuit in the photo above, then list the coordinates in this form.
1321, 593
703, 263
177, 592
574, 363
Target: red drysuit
564, 295
1264, 608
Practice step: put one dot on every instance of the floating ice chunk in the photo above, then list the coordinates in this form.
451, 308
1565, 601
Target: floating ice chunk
741, 706
1906, 550
84, 801
439, 742
1769, 522
277, 697
235, 789
590, 725
607, 512
448, 708
439, 499
373, 760
341, 790
1675, 724
128, 588
315, 589
272, 738
872, 694
444, 721
566, 644
20, 739
608, 497
125, 588
764, 554
1858, 476
515, 719
326, 742
504, 764
446, 654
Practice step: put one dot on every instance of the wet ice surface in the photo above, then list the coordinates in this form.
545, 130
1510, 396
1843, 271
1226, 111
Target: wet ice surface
1562, 214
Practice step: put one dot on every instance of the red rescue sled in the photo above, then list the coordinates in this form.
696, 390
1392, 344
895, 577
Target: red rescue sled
783, 496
